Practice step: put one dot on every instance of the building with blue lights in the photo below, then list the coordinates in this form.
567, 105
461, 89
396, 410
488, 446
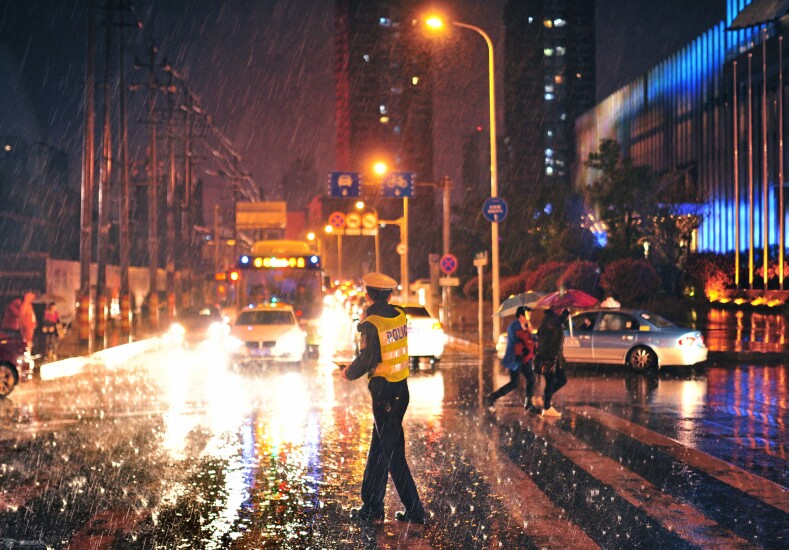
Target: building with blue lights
714, 111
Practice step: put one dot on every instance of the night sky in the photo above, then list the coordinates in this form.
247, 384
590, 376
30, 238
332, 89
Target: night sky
264, 69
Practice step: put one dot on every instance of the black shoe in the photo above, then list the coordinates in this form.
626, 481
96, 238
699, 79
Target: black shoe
366, 515
405, 516
533, 410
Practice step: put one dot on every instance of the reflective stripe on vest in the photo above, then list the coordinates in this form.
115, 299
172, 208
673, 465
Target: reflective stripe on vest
393, 336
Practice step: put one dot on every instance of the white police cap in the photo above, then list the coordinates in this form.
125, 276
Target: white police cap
379, 281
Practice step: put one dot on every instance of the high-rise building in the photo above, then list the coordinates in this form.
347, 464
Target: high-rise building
385, 108
549, 80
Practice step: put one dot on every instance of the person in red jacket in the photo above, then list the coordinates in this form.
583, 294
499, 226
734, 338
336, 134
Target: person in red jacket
11, 315
518, 359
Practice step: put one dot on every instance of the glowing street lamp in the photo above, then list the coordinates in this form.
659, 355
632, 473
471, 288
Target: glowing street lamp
437, 23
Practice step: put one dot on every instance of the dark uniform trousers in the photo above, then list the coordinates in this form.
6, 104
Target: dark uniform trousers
387, 448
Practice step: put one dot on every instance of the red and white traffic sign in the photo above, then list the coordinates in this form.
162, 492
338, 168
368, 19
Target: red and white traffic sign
337, 220
353, 220
369, 220
448, 264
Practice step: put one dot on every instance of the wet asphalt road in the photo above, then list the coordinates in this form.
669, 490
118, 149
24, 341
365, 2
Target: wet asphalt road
173, 449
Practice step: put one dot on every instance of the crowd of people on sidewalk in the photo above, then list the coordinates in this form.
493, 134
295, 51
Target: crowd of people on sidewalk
19, 316
529, 358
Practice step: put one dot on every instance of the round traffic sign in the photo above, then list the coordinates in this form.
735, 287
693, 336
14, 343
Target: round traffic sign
353, 220
369, 220
494, 209
401, 248
448, 263
337, 220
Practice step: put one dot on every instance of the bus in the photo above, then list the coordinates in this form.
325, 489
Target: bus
283, 271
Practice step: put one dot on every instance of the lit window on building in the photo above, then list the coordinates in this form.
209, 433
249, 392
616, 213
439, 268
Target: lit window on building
578, 76
549, 97
385, 22
366, 58
559, 22
397, 90
548, 161
549, 88
397, 130
548, 51
384, 120
549, 152
549, 170
558, 79
559, 162
563, 116
382, 109
550, 133
414, 80
7, 148
531, 20
560, 50
548, 24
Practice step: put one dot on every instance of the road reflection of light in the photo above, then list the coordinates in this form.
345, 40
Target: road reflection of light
427, 396
290, 407
64, 367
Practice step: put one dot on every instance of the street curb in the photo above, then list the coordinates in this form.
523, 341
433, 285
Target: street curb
110, 356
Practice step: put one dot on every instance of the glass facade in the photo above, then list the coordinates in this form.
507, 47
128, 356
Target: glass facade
715, 112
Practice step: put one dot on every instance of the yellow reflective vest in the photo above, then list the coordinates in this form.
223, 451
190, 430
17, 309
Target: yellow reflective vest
393, 336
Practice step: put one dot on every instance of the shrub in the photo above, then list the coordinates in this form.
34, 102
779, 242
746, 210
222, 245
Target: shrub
513, 284
708, 273
581, 275
633, 281
470, 288
546, 277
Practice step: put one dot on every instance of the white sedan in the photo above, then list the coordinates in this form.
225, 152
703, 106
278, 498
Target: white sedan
426, 336
268, 333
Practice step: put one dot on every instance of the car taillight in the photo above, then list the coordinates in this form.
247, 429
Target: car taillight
689, 341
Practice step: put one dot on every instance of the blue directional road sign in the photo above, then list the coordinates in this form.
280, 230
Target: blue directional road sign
494, 209
343, 185
399, 185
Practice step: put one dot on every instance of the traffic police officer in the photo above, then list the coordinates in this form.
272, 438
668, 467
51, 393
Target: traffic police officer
384, 359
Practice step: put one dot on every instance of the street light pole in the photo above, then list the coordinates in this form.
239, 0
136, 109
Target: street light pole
494, 229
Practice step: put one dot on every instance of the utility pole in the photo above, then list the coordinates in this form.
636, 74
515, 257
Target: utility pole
104, 187
125, 296
153, 190
186, 205
86, 232
170, 245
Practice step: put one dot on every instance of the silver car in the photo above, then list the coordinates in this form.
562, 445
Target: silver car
637, 338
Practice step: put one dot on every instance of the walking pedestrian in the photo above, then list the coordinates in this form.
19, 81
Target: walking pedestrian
50, 327
27, 319
518, 359
383, 358
548, 360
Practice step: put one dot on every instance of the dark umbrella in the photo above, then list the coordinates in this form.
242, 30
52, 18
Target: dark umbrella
571, 298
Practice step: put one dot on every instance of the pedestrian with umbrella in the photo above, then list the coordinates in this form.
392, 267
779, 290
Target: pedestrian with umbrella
518, 358
549, 361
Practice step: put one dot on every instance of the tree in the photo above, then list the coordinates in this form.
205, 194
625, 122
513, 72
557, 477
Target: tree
622, 197
670, 230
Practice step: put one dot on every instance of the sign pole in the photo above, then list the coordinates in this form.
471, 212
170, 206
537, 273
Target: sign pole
404, 264
339, 258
